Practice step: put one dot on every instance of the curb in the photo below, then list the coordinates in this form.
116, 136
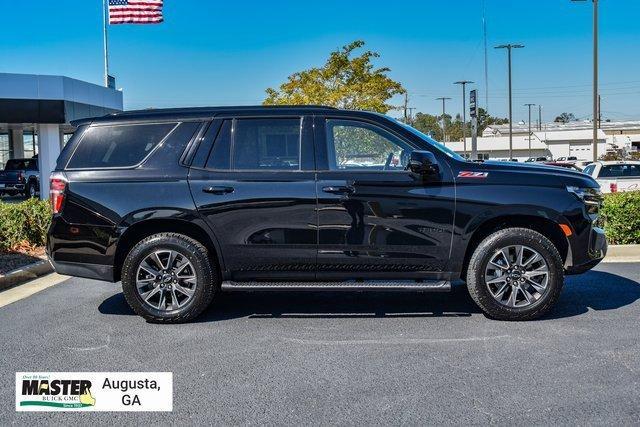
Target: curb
623, 253
24, 274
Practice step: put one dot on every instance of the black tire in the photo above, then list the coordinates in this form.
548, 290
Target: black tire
31, 190
479, 291
194, 252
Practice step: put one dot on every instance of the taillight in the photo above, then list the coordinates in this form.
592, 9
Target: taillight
20, 177
613, 187
57, 186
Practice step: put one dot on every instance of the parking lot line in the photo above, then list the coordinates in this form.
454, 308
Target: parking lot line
26, 290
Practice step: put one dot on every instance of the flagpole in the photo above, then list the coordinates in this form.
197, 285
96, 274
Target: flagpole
106, 43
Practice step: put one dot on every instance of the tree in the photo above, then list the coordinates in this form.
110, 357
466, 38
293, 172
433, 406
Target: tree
565, 118
344, 81
432, 125
485, 120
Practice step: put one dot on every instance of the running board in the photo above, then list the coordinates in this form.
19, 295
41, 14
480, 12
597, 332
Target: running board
374, 285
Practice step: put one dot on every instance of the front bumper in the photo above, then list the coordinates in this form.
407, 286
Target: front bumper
596, 251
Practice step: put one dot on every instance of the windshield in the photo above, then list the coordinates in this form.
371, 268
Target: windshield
431, 141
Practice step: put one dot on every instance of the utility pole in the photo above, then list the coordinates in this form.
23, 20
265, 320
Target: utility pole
529, 105
599, 112
509, 47
539, 117
464, 83
406, 103
444, 124
486, 57
596, 97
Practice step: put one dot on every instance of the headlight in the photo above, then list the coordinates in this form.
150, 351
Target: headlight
591, 197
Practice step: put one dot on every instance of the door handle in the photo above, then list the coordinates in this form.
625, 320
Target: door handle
339, 190
218, 190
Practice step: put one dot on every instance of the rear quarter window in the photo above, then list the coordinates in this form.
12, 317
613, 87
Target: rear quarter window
118, 145
620, 171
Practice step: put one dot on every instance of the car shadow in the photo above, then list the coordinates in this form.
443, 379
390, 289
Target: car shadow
594, 290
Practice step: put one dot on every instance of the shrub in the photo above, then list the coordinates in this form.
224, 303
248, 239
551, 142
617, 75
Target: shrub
620, 217
24, 224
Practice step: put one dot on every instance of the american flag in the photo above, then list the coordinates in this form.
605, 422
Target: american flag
135, 11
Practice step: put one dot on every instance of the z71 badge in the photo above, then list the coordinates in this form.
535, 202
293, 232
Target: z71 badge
468, 174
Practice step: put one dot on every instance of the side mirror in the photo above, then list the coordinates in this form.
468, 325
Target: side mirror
423, 163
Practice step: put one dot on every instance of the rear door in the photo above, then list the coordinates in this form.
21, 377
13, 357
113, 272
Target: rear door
253, 180
377, 220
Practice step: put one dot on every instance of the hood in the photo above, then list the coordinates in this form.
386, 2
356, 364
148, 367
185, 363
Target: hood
529, 174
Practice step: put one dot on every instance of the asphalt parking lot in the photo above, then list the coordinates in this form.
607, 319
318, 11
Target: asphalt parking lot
345, 358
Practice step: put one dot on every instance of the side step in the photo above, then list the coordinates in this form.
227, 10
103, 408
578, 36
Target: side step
352, 285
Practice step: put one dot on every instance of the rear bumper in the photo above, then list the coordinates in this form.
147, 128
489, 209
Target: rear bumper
596, 251
89, 271
7, 187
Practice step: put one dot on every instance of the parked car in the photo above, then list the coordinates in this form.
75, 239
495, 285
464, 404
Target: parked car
183, 204
20, 176
536, 159
563, 165
615, 176
567, 159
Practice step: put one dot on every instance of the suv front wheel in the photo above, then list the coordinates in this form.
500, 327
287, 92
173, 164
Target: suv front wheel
515, 274
168, 278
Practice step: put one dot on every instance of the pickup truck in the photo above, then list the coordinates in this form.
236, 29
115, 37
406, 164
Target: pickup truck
615, 176
20, 176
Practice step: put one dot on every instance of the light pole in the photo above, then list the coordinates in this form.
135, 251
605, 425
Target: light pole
444, 125
529, 105
595, 79
464, 83
509, 47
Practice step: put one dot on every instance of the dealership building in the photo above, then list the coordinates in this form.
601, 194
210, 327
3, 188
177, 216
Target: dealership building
36, 111
554, 140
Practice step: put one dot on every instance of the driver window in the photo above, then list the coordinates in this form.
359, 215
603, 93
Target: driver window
356, 145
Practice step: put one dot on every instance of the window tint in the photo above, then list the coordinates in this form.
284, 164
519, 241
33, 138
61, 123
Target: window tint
220, 157
15, 165
589, 169
620, 171
118, 146
356, 145
266, 144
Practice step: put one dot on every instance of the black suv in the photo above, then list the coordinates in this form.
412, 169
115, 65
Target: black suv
182, 204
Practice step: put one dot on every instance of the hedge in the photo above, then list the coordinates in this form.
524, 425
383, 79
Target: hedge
620, 218
24, 225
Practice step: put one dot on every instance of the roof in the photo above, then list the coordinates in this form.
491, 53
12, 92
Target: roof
552, 127
569, 135
496, 143
32, 98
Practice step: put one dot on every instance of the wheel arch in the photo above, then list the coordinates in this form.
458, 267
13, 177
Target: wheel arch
543, 225
139, 230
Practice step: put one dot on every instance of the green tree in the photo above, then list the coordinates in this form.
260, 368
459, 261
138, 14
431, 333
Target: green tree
344, 81
565, 118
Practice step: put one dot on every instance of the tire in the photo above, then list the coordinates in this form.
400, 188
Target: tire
189, 253
31, 190
529, 302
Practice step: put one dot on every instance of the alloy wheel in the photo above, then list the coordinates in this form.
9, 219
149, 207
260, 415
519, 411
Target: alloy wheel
517, 276
166, 280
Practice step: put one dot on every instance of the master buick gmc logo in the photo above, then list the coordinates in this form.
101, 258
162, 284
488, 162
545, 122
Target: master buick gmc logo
56, 393
468, 174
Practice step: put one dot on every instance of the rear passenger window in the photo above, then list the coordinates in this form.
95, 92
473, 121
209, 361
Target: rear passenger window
118, 146
266, 144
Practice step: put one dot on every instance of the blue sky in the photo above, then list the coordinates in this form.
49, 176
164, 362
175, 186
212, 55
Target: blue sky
224, 53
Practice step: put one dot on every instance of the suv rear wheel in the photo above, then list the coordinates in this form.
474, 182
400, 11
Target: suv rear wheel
168, 278
515, 274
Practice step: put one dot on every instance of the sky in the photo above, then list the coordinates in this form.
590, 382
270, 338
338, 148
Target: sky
210, 52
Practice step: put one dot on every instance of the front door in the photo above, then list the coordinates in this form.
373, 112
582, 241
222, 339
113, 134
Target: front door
253, 180
375, 219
